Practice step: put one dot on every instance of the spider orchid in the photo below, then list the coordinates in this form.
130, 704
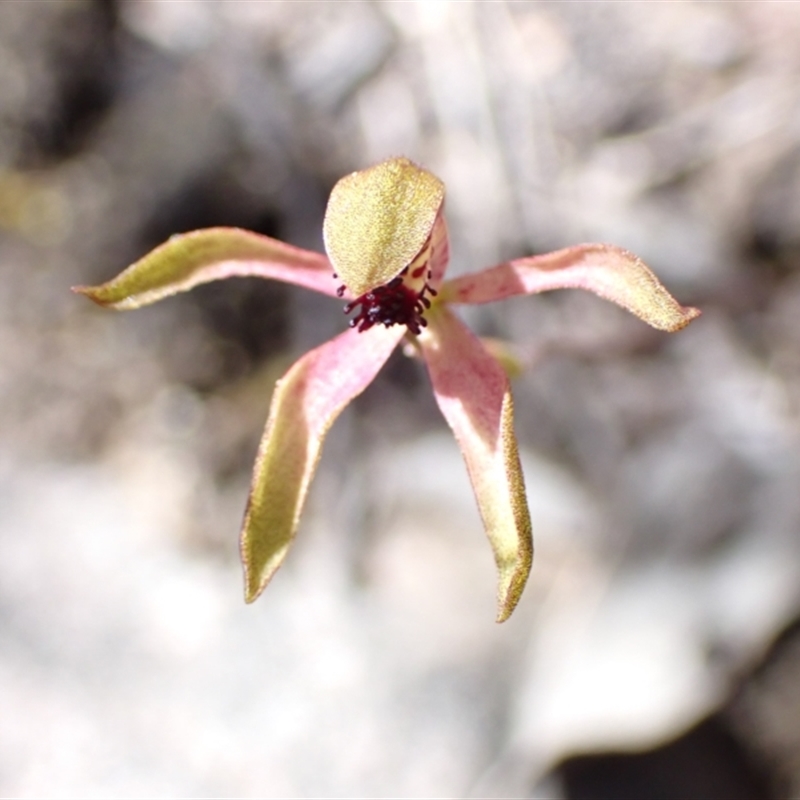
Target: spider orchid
387, 252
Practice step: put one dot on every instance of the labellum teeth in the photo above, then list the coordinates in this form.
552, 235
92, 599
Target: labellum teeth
396, 303
400, 301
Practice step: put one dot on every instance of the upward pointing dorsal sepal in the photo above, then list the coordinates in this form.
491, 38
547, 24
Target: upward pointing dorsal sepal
378, 220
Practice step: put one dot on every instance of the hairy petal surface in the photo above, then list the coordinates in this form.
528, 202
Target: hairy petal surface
378, 220
304, 405
610, 272
473, 392
189, 259
439, 251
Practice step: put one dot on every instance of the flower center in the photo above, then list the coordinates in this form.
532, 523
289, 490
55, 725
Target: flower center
402, 301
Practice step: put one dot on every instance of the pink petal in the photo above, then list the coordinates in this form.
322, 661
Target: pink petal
610, 272
473, 392
440, 250
305, 403
188, 259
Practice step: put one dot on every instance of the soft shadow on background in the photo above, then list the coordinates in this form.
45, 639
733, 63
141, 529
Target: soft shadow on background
656, 652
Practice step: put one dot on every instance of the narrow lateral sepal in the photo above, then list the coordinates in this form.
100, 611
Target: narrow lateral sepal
189, 259
608, 271
474, 395
305, 403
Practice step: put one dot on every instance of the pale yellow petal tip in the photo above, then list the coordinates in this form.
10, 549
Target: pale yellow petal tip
258, 570
251, 588
108, 295
255, 580
378, 220
251, 592
512, 583
689, 313
669, 320
515, 559
105, 296
88, 291
505, 608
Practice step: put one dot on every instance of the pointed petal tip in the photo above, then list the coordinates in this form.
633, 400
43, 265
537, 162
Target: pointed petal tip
503, 614
251, 593
511, 586
258, 568
688, 313
252, 587
92, 292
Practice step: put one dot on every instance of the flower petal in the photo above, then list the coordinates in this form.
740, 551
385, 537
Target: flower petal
378, 220
610, 272
304, 405
439, 251
188, 259
473, 393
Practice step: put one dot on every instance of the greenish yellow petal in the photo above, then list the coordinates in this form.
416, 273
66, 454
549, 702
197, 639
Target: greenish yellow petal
378, 220
305, 404
189, 259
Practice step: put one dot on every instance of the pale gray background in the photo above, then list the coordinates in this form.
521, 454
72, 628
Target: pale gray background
662, 471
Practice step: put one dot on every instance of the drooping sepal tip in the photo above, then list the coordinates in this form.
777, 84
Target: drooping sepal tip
514, 566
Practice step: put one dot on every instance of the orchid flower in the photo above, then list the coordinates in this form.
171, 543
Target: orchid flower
387, 252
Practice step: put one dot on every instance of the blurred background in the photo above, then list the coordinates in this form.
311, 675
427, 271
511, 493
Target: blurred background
656, 651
